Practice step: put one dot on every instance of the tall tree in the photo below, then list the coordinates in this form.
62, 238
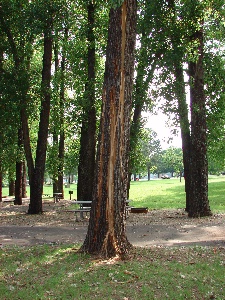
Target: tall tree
37, 176
106, 231
88, 129
18, 50
178, 36
199, 203
19, 170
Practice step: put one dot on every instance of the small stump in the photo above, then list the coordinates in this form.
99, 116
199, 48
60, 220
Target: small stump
139, 210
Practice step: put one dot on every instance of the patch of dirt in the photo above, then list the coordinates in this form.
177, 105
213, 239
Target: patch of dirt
58, 225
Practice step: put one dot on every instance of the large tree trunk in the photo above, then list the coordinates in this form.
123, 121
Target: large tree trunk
199, 203
88, 131
106, 232
37, 179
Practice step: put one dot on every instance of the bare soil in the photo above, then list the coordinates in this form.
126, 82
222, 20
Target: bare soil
58, 225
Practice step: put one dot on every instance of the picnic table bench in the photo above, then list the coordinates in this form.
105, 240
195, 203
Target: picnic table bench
83, 208
46, 195
57, 197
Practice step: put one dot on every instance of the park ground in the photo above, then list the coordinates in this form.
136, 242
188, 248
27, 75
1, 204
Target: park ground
58, 225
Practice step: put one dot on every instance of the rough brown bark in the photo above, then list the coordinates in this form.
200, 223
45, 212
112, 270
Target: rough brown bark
24, 181
199, 203
37, 179
88, 131
106, 232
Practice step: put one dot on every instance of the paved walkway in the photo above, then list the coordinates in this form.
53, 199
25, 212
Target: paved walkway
138, 235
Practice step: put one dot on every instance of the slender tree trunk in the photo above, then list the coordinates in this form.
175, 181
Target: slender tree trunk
37, 180
182, 107
27, 144
88, 131
19, 171
199, 203
142, 81
24, 181
149, 174
1, 131
11, 187
18, 183
1, 180
62, 131
56, 118
106, 232
61, 161
185, 128
55, 175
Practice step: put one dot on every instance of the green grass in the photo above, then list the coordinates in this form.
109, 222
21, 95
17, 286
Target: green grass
59, 272
170, 194
160, 194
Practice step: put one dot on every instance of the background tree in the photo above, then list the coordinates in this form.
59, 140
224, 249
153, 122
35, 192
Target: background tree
172, 160
37, 176
88, 129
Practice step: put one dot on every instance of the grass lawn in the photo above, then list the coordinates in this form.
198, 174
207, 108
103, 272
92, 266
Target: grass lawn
159, 194
60, 272
54, 272
170, 194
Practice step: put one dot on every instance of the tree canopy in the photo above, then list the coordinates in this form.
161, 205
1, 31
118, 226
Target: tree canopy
52, 57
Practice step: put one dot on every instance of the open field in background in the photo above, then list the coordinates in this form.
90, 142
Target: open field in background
159, 193
170, 193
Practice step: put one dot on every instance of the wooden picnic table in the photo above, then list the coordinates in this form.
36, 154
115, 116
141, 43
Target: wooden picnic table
85, 209
82, 208
57, 197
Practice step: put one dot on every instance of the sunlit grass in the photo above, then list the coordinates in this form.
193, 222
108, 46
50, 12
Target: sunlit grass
170, 193
160, 193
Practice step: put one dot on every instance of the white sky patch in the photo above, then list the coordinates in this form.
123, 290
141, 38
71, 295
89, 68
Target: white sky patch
158, 123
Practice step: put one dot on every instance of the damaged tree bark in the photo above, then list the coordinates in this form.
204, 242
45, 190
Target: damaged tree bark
106, 232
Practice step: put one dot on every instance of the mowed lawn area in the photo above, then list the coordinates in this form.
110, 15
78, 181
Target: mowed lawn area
159, 193
61, 272
170, 193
